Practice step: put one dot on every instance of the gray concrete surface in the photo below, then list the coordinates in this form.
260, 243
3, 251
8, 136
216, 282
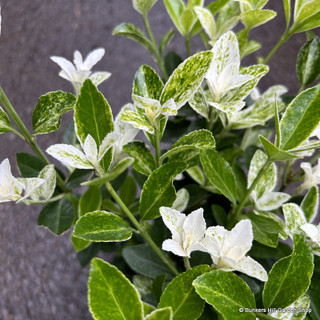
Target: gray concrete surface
40, 277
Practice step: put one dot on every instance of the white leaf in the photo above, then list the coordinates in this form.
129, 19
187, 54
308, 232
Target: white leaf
181, 202
90, 149
98, 77
252, 268
271, 200
294, 218
30, 186
46, 190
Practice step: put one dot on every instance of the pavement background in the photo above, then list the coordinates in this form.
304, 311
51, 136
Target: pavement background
40, 277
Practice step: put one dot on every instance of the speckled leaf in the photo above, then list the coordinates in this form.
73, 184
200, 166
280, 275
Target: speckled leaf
160, 314
143, 6
254, 18
132, 32
219, 172
46, 190
181, 296
143, 159
226, 292
308, 62
57, 216
111, 295
142, 259
300, 119
102, 226
186, 79
175, 9
47, 114
147, 83
200, 139
290, 277
90, 201
5, 124
310, 204
294, 218
228, 107
207, 21
137, 121
158, 190
199, 103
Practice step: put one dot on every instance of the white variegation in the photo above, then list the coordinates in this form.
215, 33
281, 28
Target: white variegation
187, 231
311, 175
294, 218
181, 202
313, 233
78, 72
228, 107
31, 185
207, 21
228, 249
138, 121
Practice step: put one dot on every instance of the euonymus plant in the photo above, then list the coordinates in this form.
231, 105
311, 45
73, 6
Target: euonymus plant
211, 216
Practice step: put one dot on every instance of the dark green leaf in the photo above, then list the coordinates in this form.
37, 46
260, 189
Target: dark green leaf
77, 177
29, 165
91, 200
310, 203
171, 61
128, 191
158, 285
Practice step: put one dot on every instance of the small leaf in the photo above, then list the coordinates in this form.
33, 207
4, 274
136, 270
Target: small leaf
128, 191
143, 159
132, 32
207, 21
199, 103
254, 18
227, 293
216, 6
143, 6
181, 296
46, 190
77, 177
175, 8
308, 62
49, 109
310, 204
29, 165
143, 260
186, 79
287, 10
294, 218
290, 277
219, 172
102, 226
187, 21
160, 314
111, 295
57, 216
79, 244
309, 23
158, 190
90, 201
137, 120
300, 119
306, 9
5, 123
165, 40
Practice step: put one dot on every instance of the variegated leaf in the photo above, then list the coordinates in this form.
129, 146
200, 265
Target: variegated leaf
197, 174
143, 6
46, 190
137, 121
271, 200
310, 204
30, 186
254, 18
98, 77
207, 21
228, 107
199, 103
181, 202
294, 218
5, 124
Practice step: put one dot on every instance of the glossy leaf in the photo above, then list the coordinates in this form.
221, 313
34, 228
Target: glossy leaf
158, 190
29, 165
181, 296
290, 277
310, 204
132, 32
300, 119
57, 216
111, 295
160, 314
79, 244
90, 201
254, 18
47, 114
5, 123
102, 226
219, 173
226, 292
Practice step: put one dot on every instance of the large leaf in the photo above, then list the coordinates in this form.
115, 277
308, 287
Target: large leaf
200, 139
132, 32
300, 119
49, 109
102, 226
143, 260
219, 172
181, 296
5, 124
254, 18
227, 293
111, 295
290, 277
158, 190
57, 216
308, 62
186, 79
29, 165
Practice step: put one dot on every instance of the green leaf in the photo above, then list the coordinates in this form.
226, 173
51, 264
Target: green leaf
200, 139
186, 79
187, 21
175, 8
165, 40
5, 123
79, 244
227, 293
158, 190
142, 259
290, 277
147, 83
310, 203
287, 10
139, 121
306, 10
91, 200
158, 284
47, 114
308, 62
294, 218
143, 6
111, 295
132, 32
143, 159
57, 216
254, 18
77, 177
219, 173
147, 308
160, 314
29, 165
172, 61
181, 296
308, 24
102, 226
128, 191
215, 6
300, 119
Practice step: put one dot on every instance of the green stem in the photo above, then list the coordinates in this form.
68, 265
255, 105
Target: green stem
143, 233
156, 51
157, 148
283, 39
187, 43
26, 134
53, 199
263, 316
186, 262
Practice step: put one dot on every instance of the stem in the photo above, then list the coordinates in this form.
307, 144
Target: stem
157, 148
156, 52
26, 134
186, 262
187, 43
263, 316
53, 199
143, 233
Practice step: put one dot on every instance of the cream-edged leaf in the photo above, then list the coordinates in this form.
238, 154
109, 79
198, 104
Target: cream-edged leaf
294, 218
207, 21
137, 121
99, 77
252, 268
46, 190
271, 200
228, 107
181, 202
